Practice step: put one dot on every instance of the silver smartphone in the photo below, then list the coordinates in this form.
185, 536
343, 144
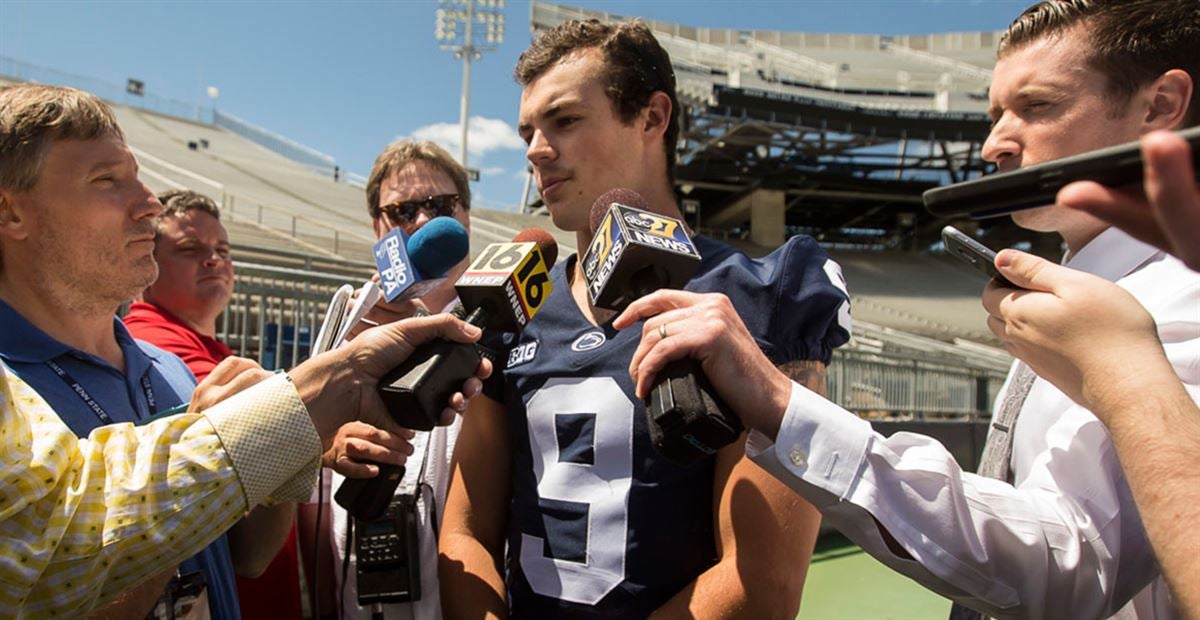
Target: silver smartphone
972, 252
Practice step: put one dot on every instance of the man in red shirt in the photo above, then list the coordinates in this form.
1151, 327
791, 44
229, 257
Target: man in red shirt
178, 313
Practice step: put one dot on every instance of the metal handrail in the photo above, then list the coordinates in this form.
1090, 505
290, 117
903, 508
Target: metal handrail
347, 263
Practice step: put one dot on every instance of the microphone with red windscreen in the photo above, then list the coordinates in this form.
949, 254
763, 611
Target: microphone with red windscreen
508, 282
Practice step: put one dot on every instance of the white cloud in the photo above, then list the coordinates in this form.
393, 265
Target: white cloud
492, 171
486, 135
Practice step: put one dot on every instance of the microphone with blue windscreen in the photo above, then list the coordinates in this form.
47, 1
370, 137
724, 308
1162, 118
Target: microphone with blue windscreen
411, 266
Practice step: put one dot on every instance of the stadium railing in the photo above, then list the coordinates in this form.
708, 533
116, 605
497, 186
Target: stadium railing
794, 63
22, 71
963, 69
895, 387
884, 373
705, 54
819, 59
315, 160
276, 309
355, 179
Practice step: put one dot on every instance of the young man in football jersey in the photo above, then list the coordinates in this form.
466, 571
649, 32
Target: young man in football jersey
555, 463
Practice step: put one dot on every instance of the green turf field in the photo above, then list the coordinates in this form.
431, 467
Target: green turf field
844, 582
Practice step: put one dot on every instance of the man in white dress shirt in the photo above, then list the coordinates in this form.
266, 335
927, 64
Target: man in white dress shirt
1059, 535
1153, 419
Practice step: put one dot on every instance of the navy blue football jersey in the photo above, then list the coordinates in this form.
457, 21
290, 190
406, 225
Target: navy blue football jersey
599, 524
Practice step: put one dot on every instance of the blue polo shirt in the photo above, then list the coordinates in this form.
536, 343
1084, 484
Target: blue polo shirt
32, 355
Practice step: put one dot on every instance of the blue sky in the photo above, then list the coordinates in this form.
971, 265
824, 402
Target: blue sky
346, 78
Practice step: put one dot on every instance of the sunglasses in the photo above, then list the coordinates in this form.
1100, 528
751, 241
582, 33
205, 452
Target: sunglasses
403, 213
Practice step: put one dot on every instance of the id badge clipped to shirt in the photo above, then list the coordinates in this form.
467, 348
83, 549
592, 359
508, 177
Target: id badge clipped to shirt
186, 598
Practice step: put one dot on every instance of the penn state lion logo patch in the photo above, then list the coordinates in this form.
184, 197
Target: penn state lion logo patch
589, 341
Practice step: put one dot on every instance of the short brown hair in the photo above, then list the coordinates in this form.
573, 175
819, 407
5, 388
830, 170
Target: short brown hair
636, 67
179, 202
401, 153
34, 115
1131, 42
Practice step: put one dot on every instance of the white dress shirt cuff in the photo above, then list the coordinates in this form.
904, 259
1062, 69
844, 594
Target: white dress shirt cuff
818, 444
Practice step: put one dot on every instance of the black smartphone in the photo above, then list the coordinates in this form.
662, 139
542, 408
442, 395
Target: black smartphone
972, 252
1037, 185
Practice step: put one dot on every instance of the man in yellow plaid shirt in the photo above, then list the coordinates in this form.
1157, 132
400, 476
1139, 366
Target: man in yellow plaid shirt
83, 519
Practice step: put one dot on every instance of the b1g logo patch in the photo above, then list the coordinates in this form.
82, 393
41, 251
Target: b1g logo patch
522, 354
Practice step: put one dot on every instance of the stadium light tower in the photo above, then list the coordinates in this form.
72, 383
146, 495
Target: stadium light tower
469, 43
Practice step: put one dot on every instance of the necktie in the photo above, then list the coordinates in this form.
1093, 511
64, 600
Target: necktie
997, 452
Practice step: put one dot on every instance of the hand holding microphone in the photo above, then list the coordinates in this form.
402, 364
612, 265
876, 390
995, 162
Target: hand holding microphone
338, 386
501, 291
705, 327
360, 450
634, 253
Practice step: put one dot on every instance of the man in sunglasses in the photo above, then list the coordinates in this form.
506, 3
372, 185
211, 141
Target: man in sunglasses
411, 183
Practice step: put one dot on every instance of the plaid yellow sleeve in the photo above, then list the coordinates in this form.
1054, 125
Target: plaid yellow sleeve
83, 519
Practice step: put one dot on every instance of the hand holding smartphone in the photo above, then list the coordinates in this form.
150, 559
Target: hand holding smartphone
974, 253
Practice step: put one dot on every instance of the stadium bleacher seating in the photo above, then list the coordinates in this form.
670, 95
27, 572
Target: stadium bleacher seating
957, 62
298, 234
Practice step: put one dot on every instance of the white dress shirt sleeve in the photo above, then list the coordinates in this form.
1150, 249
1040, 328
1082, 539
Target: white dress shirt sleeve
1035, 550
1063, 541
